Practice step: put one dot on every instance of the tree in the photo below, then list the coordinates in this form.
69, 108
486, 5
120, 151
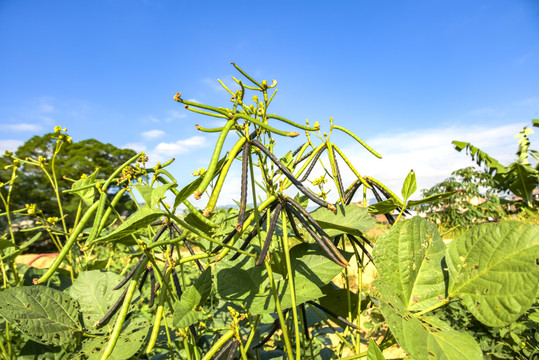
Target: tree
32, 185
474, 200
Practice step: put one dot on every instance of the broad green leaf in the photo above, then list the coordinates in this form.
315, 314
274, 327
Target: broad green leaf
383, 207
374, 352
534, 317
493, 269
409, 259
5, 243
94, 292
535, 122
336, 300
45, 315
431, 199
85, 188
349, 219
129, 343
311, 262
33, 350
524, 180
12, 252
185, 310
249, 285
139, 220
426, 337
410, 185
152, 195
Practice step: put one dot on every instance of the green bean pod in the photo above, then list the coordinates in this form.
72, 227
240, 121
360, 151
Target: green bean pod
70, 241
266, 126
218, 186
158, 314
244, 177
178, 98
214, 160
358, 140
122, 316
205, 112
113, 203
356, 173
335, 170
290, 122
212, 130
222, 341
97, 220
247, 76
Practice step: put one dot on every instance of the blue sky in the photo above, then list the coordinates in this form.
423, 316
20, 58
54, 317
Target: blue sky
406, 76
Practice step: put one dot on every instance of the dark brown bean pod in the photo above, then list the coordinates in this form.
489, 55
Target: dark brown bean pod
222, 351
251, 235
153, 288
386, 194
366, 240
296, 182
244, 178
177, 286
305, 325
329, 312
338, 172
159, 233
112, 310
157, 223
358, 243
351, 191
131, 273
315, 236
317, 227
143, 279
313, 163
295, 152
274, 327
226, 240
388, 216
292, 223
269, 235
233, 350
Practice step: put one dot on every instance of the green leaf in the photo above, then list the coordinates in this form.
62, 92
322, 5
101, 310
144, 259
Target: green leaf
349, 219
431, 199
534, 316
524, 179
426, 337
493, 270
535, 122
374, 352
187, 191
45, 315
5, 243
85, 188
129, 342
311, 262
245, 283
94, 292
185, 310
139, 220
383, 207
152, 195
409, 259
336, 300
410, 185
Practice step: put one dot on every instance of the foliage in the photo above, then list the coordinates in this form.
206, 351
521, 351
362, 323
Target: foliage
474, 200
261, 281
45, 166
520, 177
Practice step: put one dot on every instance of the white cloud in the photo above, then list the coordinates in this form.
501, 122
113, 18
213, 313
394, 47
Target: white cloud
429, 153
138, 147
181, 146
46, 107
152, 134
10, 145
21, 127
174, 115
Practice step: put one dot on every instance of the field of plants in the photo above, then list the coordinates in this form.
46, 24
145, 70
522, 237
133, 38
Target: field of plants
286, 274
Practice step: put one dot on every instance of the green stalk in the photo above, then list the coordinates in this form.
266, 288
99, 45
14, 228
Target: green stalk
67, 247
292, 287
159, 312
253, 330
123, 311
282, 320
358, 140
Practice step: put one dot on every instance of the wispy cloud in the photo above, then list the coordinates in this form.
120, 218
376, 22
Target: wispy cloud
152, 134
181, 146
20, 127
10, 145
138, 147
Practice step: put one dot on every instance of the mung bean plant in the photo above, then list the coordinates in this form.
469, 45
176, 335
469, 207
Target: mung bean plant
279, 276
